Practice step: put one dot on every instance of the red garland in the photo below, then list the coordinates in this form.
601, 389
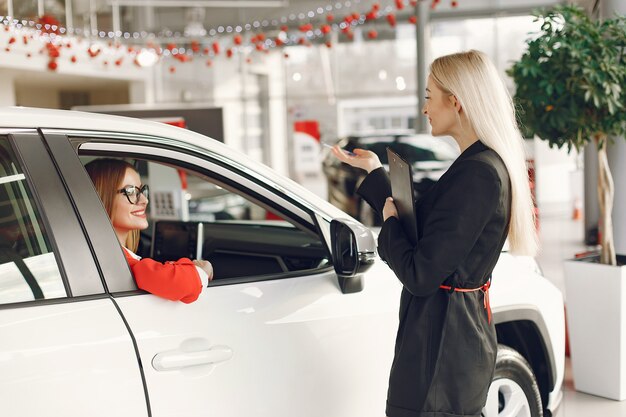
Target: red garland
51, 21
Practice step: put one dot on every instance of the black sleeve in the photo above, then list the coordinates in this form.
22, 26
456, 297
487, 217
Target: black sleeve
459, 214
375, 189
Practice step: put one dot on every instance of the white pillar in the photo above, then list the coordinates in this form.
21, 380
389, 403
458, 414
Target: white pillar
7, 89
617, 156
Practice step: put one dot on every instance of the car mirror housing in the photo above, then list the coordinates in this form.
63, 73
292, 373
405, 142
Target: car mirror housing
353, 251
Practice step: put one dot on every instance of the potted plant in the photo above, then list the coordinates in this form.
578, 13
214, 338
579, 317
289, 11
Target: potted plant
570, 85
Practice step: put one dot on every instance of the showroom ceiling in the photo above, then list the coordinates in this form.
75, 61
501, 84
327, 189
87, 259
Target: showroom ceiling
179, 15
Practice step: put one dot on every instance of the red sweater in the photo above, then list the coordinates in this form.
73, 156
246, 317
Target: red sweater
176, 281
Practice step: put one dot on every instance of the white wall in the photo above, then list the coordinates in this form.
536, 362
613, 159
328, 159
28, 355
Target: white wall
7, 89
558, 179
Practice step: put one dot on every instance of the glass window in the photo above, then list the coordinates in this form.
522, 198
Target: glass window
191, 215
28, 268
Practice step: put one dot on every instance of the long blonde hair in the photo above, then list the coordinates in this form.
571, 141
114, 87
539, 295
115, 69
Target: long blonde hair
107, 176
475, 82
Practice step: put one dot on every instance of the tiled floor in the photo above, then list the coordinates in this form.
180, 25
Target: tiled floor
561, 237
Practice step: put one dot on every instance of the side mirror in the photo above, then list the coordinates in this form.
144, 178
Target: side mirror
354, 252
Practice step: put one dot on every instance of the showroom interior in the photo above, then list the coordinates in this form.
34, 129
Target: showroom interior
277, 79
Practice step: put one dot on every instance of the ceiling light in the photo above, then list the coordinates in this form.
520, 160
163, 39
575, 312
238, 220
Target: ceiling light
147, 58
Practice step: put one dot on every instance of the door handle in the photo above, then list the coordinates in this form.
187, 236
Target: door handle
177, 359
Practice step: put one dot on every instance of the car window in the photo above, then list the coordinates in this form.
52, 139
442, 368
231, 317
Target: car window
192, 215
28, 268
412, 148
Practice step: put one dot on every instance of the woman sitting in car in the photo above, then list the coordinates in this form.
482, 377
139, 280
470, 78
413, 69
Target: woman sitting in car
125, 199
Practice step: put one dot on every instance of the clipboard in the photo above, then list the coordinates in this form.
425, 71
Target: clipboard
401, 176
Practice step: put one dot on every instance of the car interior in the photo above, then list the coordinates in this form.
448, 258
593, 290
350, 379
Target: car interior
192, 216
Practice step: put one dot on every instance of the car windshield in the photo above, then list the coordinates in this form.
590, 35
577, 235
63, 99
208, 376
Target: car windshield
412, 148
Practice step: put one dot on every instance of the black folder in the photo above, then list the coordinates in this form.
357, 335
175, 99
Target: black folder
401, 176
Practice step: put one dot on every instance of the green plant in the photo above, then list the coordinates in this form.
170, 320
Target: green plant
570, 85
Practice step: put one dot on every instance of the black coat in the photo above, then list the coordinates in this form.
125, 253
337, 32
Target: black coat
445, 347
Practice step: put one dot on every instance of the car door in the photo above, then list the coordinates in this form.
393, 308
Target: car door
267, 344
64, 347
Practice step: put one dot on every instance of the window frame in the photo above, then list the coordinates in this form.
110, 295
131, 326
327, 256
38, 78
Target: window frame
57, 217
219, 171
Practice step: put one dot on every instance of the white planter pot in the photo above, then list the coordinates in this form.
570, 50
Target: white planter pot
595, 296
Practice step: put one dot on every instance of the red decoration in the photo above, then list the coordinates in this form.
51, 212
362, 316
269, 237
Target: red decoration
260, 37
216, 48
28, 55
259, 47
279, 42
7, 49
372, 34
391, 18
376, 6
209, 62
248, 60
284, 28
306, 28
356, 15
413, 20
73, 59
195, 46
348, 19
371, 15
329, 44
286, 55
325, 29
454, 3
53, 50
48, 22
413, 3
94, 51
118, 62
229, 53
206, 51
170, 46
237, 39
330, 17
172, 69
182, 57
399, 4
52, 65
12, 40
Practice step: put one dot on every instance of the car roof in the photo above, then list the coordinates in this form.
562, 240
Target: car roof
25, 117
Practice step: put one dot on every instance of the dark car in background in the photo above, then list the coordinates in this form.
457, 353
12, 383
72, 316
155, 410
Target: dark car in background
429, 156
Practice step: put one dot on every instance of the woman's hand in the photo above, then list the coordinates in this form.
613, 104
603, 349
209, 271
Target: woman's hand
205, 266
363, 159
390, 209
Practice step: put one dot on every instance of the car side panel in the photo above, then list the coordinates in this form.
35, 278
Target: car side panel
73, 359
286, 347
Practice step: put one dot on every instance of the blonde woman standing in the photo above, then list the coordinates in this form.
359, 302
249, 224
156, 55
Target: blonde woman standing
446, 342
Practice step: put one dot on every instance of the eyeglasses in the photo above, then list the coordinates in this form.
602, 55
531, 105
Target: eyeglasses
133, 193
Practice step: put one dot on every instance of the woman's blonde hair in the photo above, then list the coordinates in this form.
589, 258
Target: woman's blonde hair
107, 176
473, 79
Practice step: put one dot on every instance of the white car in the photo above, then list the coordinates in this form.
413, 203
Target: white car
299, 321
